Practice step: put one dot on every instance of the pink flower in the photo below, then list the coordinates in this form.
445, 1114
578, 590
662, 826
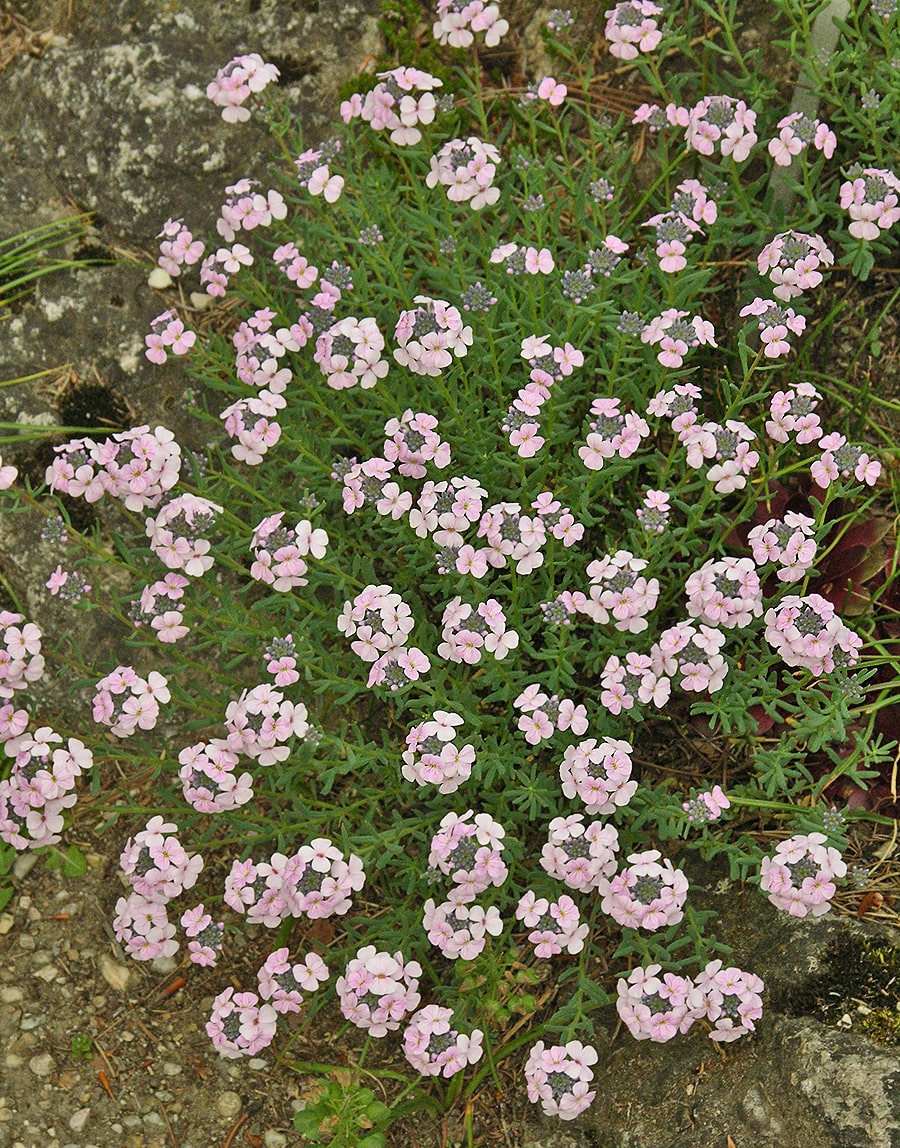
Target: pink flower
551, 91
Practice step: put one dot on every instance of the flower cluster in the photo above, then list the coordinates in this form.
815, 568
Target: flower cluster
239, 1025
245, 209
806, 631
792, 261
398, 104
160, 604
262, 721
793, 412
725, 592
675, 228
433, 1048
458, 929
378, 990
349, 354
544, 714
41, 783
788, 541
555, 925
612, 433
379, 619
579, 854
654, 514
298, 270
279, 552
523, 260
316, 881
635, 679
430, 335
693, 652
548, 89
659, 119
872, 199
468, 850
280, 981
167, 334
800, 877
208, 779
253, 422
432, 756
468, 630
445, 510
178, 247
795, 133
241, 77
706, 806
369, 481
560, 1076
281, 660
314, 172
599, 773
467, 169
631, 28
728, 998
124, 701
68, 584
512, 536
619, 588
522, 419
645, 894
135, 466
676, 335
774, 322
206, 936
654, 1007
723, 121
841, 459
457, 22
658, 1007
143, 928
21, 660
156, 864
259, 349
177, 533
413, 440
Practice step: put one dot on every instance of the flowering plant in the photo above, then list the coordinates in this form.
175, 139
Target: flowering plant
498, 401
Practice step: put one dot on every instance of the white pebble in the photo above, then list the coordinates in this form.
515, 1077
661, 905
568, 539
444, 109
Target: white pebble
78, 1119
229, 1104
115, 975
42, 1064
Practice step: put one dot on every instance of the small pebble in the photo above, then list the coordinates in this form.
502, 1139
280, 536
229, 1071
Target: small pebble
13, 1060
28, 1023
48, 973
170, 1068
229, 1104
11, 994
257, 1063
7, 920
115, 975
273, 1139
78, 1119
23, 865
42, 1064
26, 941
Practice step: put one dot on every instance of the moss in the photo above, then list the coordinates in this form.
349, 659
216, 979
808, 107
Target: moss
860, 979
